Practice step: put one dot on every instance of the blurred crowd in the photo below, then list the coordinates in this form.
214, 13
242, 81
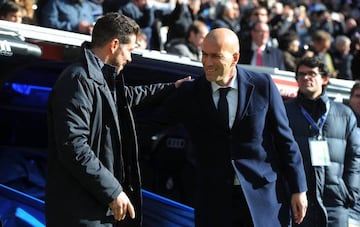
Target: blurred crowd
272, 33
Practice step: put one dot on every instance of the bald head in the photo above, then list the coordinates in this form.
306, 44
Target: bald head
224, 38
220, 55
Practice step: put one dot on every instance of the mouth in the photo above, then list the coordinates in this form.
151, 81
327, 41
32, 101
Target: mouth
307, 84
209, 70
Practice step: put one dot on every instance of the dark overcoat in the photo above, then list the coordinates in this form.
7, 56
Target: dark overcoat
93, 150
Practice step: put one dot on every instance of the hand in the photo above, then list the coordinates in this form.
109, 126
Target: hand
84, 27
120, 206
299, 205
308, 54
179, 82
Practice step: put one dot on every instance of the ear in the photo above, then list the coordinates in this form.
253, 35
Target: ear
325, 80
114, 45
236, 57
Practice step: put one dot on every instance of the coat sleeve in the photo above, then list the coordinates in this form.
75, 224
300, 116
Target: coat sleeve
148, 94
285, 144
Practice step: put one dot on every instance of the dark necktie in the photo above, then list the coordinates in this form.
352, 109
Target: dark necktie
223, 106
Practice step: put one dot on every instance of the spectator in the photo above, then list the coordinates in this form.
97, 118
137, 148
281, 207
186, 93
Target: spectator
191, 46
10, 11
342, 57
337, 20
320, 19
179, 21
141, 40
328, 137
143, 14
284, 22
303, 25
320, 47
28, 11
355, 63
228, 16
68, 15
208, 10
354, 103
97, 8
259, 52
351, 28
289, 43
257, 14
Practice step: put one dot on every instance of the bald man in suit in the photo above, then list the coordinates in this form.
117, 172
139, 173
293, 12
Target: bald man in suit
249, 169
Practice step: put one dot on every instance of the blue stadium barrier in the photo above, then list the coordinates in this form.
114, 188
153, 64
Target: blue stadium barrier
162, 212
18, 209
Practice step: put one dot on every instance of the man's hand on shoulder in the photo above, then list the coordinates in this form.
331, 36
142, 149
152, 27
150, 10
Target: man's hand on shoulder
179, 82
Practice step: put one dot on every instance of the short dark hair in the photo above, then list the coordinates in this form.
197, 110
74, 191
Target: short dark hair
195, 27
111, 26
313, 62
355, 87
9, 7
286, 39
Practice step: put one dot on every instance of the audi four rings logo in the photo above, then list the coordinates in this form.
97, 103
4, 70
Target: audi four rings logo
175, 143
5, 48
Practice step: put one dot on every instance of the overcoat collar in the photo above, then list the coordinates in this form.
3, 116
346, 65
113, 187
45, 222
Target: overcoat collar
97, 71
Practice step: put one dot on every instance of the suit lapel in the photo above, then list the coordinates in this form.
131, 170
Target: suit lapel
245, 92
206, 102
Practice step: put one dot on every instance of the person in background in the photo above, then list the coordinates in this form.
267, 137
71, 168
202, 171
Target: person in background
191, 46
228, 16
244, 149
249, 19
320, 18
283, 23
355, 63
10, 11
354, 103
68, 15
93, 148
259, 52
143, 14
289, 44
180, 19
320, 47
302, 24
141, 40
354, 100
328, 137
27, 10
97, 8
342, 57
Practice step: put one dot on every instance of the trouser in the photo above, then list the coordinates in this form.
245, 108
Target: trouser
241, 216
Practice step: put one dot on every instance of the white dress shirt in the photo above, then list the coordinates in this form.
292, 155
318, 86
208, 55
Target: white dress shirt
232, 97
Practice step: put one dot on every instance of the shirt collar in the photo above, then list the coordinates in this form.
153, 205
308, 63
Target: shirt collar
233, 83
254, 47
